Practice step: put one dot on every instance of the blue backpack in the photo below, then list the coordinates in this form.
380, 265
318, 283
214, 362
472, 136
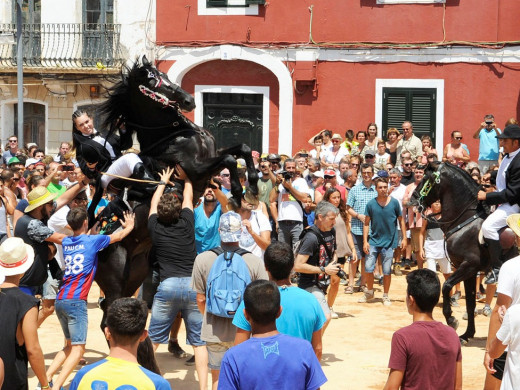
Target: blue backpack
227, 281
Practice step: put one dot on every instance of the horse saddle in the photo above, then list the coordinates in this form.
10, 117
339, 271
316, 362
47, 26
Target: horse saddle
507, 238
110, 218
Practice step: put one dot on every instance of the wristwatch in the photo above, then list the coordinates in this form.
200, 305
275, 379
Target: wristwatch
322, 269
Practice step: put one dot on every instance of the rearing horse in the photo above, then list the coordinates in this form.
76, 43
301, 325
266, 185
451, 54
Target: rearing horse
462, 218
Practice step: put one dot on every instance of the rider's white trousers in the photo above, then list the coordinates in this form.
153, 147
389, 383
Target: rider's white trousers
497, 220
123, 166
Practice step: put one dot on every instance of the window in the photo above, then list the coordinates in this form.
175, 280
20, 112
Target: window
414, 104
409, 1
98, 32
33, 123
232, 3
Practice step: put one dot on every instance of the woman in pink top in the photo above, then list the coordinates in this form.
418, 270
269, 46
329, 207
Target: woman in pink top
454, 152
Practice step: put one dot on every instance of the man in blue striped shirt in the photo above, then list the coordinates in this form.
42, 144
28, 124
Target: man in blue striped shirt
358, 197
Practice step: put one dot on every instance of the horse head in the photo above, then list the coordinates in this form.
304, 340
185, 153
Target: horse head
428, 190
156, 85
443, 180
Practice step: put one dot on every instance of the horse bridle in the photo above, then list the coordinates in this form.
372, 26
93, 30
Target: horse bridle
427, 187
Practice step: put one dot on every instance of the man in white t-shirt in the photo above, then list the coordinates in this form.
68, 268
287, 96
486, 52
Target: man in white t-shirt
256, 228
286, 199
508, 291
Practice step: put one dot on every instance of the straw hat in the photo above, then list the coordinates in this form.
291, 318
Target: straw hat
16, 257
39, 196
513, 221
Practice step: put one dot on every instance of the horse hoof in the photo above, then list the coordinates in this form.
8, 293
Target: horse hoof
453, 322
463, 342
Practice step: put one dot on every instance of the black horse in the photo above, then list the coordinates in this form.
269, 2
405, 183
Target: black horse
146, 102
462, 218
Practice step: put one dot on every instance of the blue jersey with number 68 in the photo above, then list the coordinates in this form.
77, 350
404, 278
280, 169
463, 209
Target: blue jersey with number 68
81, 261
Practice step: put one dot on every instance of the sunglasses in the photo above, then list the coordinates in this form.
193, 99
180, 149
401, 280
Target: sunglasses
369, 156
335, 141
329, 177
354, 164
459, 138
16, 179
408, 164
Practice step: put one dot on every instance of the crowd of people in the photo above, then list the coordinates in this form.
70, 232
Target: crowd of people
335, 214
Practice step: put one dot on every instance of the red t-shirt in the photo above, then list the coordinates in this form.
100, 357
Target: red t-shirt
427, 352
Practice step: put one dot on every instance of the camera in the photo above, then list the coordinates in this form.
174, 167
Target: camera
287, 175
342, 274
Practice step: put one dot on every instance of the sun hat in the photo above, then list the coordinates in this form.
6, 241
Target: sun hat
30, 161
513, 221
230, 227
337, 136
16, 257
39, 196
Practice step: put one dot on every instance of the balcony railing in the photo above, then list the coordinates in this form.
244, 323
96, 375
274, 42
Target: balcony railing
64, 46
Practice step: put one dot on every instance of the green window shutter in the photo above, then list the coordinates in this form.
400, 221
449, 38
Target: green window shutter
216, 3
260, 2
414, 104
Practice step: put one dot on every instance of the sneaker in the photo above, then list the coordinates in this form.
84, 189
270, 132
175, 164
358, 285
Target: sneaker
363, 289
397, 270
465, 315
333, 314
343, 282
486, 311
407, 264
492, 277
453, 302
175, 349
456, 295
386, 300
381, 279
358, 282
190, 361
366, 296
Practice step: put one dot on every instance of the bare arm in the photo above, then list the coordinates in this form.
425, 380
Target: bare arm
317, 343
476, 134
127, 224
29, 327
221, 198
404, 242
458, 376
165, 177
366, 227
56, 238
318, 197
241, 336
263, 240
301, 265
494, 325
201, 303
421, 237
9, 207
395, 378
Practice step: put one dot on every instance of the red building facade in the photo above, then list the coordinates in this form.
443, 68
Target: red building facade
274, 74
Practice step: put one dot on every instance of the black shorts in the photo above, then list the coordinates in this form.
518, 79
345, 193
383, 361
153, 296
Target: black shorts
499, 364
342, 260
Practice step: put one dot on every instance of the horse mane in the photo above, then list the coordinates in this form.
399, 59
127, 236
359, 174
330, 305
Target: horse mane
118, 96
469, 185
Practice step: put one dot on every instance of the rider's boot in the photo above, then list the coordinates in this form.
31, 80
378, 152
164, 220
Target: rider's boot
145, 189
495, 256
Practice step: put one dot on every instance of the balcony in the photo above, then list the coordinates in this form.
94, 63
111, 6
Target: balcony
66, 47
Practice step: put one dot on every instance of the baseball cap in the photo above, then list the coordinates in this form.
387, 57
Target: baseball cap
273, 157
318, 174
370, 152
329, 172
230, 227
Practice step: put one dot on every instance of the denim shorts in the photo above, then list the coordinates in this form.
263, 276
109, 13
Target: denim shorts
387, 255
175, 295
73, 317
358, 245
